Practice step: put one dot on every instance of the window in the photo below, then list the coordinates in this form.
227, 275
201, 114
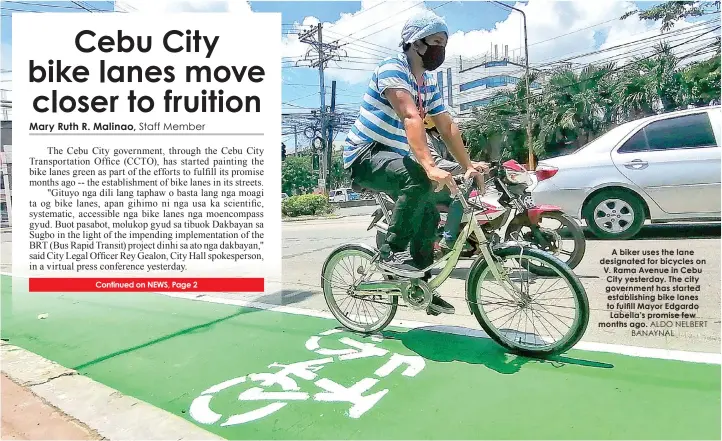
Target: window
689, 131
682, 132
476, 103
492, 81
637, 143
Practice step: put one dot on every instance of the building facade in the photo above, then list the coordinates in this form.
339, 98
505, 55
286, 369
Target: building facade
468, 83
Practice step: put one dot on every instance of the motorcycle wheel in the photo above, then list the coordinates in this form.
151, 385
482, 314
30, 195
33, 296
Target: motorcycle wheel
577, 236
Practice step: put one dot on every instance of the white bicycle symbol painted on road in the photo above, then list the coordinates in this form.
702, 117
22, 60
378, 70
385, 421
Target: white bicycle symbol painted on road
328, 390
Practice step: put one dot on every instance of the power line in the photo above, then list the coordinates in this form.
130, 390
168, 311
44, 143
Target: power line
630, 52
45, 5
599, 75
647, 52
81, 5
397, 22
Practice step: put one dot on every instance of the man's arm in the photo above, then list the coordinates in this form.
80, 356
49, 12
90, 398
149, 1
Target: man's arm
406, 109
404, 106
451, 135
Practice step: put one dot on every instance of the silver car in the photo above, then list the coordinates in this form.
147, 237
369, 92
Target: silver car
662, 168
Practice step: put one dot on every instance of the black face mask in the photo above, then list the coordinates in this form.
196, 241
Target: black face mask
433, 57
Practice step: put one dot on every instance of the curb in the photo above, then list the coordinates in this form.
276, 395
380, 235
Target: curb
102, 409
310, 218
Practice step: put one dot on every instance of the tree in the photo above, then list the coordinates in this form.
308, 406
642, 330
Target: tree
577, 106
672, 11
297, 177
701, 82
283, 151
339, 177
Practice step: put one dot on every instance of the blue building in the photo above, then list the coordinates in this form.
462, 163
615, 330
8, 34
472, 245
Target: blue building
473, 82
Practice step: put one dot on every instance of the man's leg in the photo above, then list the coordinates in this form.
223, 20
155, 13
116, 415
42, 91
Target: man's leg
422, 243
456, 210
453, 226
404, 180
422, 252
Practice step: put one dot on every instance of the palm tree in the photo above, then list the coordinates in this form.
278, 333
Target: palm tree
650, 84
636, 93
701, 82
576, 107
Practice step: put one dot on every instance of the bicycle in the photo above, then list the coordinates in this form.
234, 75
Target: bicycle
487, 268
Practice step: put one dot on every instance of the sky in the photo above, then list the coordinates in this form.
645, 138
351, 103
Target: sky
369, 30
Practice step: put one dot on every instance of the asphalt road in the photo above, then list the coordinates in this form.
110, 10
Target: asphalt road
307, 244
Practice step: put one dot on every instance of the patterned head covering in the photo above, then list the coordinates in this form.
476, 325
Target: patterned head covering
422, 25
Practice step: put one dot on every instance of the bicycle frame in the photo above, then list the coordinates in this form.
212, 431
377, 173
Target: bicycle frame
452, 258
382, 223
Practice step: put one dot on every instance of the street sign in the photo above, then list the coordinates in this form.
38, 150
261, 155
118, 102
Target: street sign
322, 183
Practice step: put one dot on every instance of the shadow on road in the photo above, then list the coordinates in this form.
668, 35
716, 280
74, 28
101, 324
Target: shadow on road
287, 297
198, 328
674, 231
444, 347
463, 273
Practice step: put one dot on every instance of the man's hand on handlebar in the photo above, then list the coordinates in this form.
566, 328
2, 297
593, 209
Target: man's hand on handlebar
483, 167
443, 179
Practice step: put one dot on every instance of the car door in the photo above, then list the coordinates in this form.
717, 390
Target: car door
676, 162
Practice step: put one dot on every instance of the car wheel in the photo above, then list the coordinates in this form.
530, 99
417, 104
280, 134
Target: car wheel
614, 214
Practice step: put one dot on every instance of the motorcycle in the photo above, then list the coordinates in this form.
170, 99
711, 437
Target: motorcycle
510, 181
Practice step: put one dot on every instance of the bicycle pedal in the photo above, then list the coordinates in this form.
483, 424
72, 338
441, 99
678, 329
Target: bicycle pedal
432, 312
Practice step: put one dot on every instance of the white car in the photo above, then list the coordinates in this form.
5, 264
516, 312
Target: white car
342, 195
662, 168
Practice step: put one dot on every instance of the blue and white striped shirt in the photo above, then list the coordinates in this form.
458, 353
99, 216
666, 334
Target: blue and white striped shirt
377, 120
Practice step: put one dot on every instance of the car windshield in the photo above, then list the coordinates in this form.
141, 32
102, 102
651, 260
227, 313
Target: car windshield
613, 136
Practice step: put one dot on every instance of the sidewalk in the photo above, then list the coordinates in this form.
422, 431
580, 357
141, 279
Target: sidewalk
27, 417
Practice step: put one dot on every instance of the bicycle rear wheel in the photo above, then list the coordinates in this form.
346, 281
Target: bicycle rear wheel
501, 308
343, 269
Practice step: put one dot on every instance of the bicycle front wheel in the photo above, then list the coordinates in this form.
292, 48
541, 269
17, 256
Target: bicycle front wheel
344, 268
527, 313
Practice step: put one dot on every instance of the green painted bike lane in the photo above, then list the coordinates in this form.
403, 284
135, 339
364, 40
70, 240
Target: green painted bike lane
179, 355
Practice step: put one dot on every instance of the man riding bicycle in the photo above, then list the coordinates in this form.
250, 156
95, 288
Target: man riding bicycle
401, 93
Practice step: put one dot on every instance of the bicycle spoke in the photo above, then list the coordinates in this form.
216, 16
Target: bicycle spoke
523, 321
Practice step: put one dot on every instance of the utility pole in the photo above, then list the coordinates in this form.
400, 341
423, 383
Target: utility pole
329, 157
531, 164
319, 54
295, 140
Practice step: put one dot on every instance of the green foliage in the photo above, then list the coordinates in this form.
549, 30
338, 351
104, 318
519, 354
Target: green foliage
297, 176
339, 176
701, 81
576, 107
672, 11
306, 205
